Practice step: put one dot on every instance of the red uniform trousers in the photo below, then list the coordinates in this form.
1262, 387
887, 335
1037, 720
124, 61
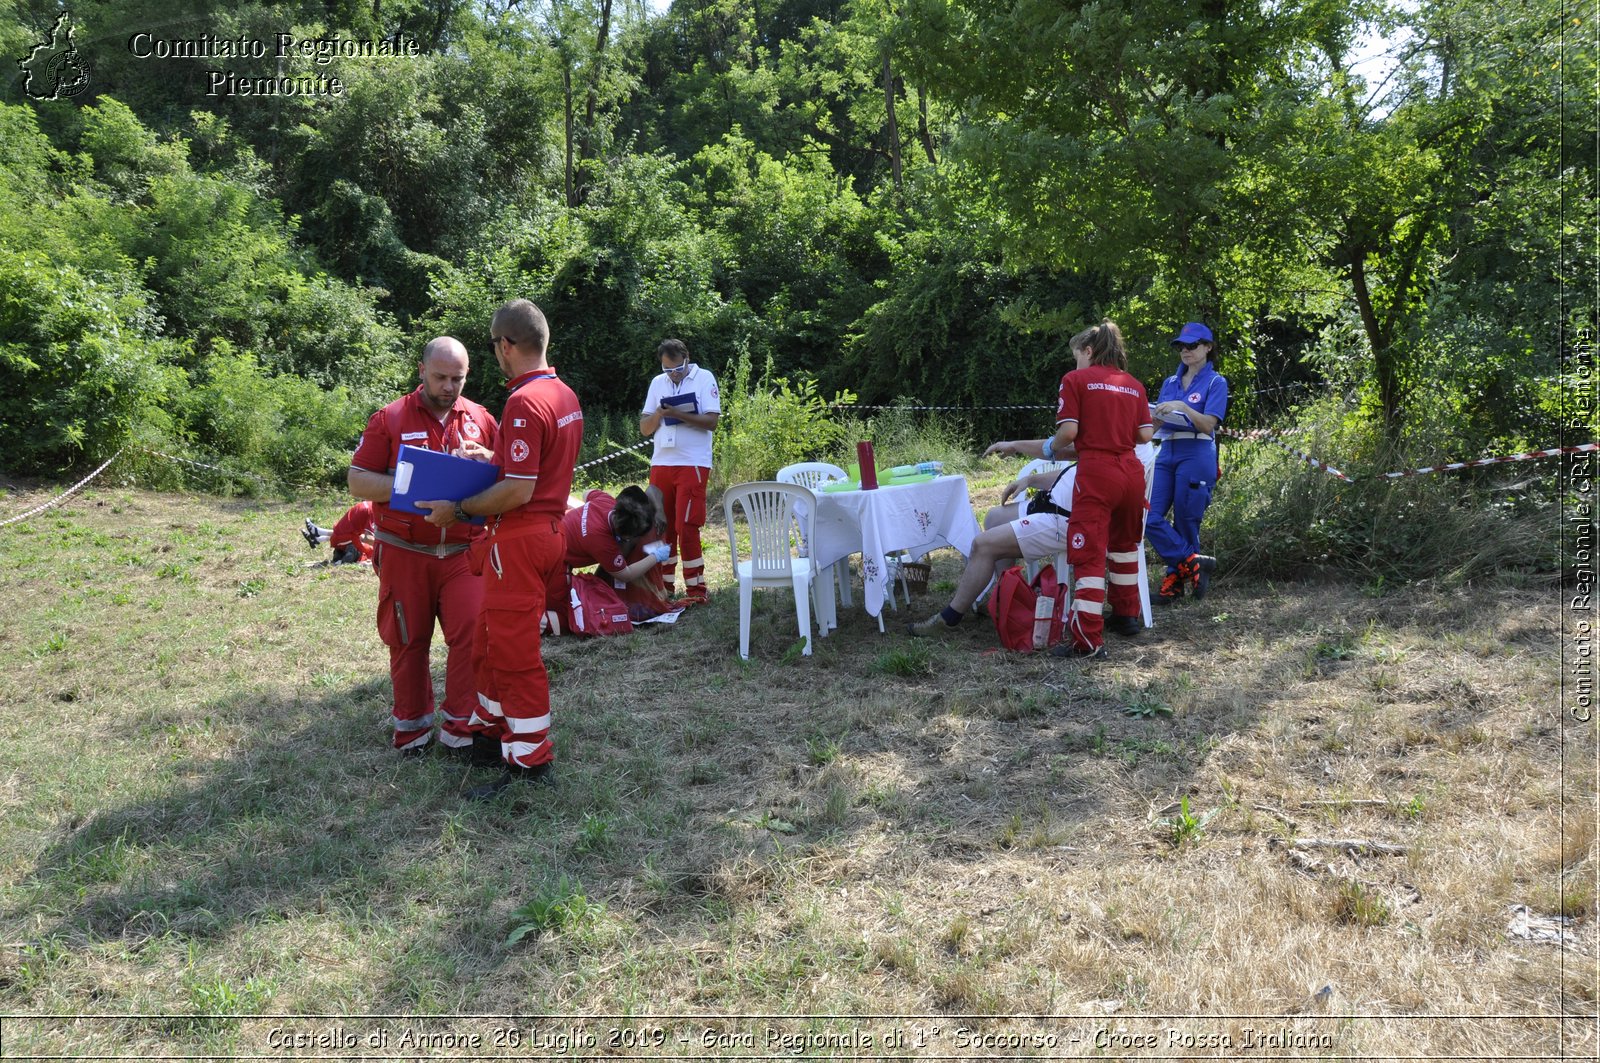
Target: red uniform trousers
352, 530
413, 588
1107, 513
683, 494
513, 687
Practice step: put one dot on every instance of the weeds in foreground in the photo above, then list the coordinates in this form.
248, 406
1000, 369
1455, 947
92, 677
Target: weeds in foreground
1145, 703
562, 904
907, 661
1359, 905
1185, 828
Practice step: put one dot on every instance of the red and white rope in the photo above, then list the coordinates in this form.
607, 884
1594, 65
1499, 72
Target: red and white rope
63, 496
1263, 436
1529, 456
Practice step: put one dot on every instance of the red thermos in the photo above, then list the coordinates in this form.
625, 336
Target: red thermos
868, 466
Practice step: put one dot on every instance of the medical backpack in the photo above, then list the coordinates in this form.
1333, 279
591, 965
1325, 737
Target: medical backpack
1027, 616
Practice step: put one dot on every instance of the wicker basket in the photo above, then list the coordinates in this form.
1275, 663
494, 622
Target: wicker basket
916, 574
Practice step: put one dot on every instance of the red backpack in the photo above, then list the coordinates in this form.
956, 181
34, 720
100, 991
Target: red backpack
1029, 617
593, 608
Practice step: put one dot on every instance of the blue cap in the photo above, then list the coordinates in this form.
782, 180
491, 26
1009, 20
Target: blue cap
1194, 332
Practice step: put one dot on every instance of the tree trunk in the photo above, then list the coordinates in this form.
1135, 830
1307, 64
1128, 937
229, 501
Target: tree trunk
587, 150
922, 128
1383, 353
566, 90
893, 127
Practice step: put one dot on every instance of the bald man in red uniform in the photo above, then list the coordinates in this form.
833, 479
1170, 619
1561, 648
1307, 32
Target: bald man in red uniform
422, 570
541, 428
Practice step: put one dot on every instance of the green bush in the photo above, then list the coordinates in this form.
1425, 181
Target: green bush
769, 424
1277, 516
83, 377
283, 426
904, 436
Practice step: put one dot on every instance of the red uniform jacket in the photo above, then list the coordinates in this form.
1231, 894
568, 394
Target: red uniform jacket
408, 421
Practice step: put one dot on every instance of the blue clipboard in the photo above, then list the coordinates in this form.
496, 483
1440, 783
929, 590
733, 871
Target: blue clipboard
428, 475
689, 402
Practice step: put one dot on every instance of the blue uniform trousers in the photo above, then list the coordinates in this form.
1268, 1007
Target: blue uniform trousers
1185, 473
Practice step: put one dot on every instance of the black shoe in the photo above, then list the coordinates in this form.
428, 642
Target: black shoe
1071, 649
1204, 566
415, 752
543, 775
462, 754
309, 532
484, 752
1125, 625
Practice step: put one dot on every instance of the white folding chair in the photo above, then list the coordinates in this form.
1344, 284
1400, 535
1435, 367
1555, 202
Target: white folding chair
814, 475
1147, 455
771, 516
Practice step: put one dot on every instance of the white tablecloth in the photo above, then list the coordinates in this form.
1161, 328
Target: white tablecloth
914, 517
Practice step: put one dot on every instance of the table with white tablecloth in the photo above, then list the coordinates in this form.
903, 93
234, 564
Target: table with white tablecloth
915, 517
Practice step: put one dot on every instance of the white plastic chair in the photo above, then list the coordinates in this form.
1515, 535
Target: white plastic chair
813, 476
1038, 465
771, 515
1031, 568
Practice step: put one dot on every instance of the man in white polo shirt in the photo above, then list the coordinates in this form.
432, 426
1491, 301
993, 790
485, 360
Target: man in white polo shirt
681, 412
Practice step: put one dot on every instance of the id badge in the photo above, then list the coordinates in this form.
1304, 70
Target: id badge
667, 436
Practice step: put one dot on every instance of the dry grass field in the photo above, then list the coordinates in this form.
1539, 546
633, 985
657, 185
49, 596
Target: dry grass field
1290, 821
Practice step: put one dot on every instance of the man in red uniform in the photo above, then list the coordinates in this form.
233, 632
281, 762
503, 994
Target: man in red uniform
1104, 413
350, 537
422, 570
541, 428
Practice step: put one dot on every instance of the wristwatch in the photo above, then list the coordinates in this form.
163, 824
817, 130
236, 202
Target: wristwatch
461, 514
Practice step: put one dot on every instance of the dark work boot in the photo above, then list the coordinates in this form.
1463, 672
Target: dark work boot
541, 775
1204, 565
1127, 626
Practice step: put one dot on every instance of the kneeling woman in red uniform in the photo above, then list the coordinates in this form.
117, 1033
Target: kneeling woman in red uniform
613, 534
1103, 412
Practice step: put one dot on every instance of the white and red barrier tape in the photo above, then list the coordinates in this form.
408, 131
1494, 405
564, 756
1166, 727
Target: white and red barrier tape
613, 454
1529, 456
1263, 435
63, 496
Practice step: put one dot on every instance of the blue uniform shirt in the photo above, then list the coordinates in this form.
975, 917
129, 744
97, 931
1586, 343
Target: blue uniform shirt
1208, 394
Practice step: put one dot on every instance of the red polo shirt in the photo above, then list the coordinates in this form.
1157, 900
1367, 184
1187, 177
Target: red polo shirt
1109, 406
541, 431
409, 421
590, 540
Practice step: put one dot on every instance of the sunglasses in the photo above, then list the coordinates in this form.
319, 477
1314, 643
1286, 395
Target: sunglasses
494, 343
677, 369
1190, 346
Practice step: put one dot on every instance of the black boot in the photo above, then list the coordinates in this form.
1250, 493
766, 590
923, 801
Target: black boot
1125, 625
542, 775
